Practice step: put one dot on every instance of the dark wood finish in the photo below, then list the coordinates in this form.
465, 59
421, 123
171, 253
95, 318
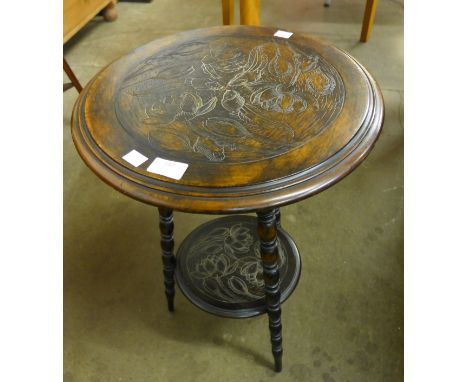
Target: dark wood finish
166, 229
261, 121
219, 267
267, 232
278, 217
74, 81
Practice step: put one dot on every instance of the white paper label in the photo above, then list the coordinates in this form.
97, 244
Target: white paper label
171, 169
135, 158
282, 34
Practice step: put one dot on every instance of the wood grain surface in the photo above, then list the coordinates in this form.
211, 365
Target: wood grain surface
261, 121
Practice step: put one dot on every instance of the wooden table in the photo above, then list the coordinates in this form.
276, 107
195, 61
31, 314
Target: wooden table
250, 14
229, 120
77, 13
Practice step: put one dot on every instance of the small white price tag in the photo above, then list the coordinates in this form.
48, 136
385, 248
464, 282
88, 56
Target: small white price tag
171, 169
282, 34
135, 158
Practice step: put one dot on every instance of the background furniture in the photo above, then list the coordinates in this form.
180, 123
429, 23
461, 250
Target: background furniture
74, 81
77, 13
368, 21
250, 14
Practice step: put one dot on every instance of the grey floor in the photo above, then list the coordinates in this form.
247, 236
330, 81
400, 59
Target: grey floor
344, 322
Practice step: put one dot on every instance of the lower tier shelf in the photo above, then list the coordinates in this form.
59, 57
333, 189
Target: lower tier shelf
219, 268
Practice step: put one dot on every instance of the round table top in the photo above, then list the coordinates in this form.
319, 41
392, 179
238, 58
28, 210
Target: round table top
227, 119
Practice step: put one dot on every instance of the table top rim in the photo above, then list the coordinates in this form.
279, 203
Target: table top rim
219, 200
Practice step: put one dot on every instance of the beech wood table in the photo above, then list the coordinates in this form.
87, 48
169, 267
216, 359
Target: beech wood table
229, 120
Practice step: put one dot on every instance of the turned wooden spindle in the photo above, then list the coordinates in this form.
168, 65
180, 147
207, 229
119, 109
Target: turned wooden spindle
166, 228
267, 232
278, 217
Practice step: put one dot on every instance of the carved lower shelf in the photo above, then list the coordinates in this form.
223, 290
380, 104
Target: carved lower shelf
219, 268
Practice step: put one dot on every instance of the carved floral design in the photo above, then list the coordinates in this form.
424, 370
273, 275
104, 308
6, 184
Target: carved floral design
226, 264
218, 98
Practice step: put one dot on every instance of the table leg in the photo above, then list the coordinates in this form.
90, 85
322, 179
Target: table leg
166, 228
249, 12
110, 12
278, 217
368, 21
228, 12
267, 232
71, 76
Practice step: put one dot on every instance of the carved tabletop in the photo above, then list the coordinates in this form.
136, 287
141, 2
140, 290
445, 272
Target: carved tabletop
260, 121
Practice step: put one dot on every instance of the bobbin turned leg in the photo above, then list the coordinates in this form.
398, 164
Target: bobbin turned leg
267, 229
166, 228
278, 217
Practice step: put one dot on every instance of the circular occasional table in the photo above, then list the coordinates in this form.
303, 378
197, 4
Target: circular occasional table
229, 120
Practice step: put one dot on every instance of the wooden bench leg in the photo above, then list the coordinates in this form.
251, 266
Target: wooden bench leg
228, 12
250, 12
369, 14
72, 77
110, 12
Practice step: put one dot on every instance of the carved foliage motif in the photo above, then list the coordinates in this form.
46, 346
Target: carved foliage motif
226, 265
229, 99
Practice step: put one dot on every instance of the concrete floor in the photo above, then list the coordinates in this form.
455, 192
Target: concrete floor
344, 322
